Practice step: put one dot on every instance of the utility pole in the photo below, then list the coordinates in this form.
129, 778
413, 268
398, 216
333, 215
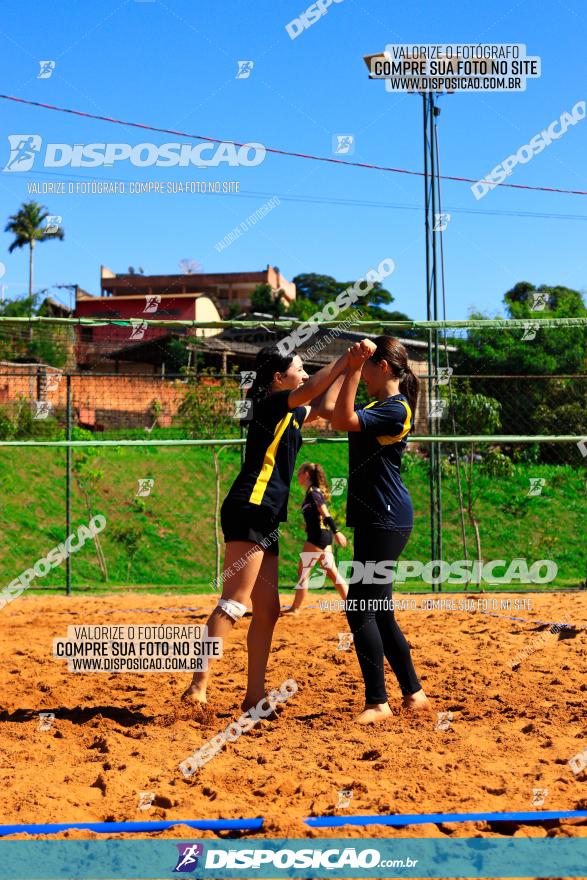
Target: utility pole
431, 182
430, 112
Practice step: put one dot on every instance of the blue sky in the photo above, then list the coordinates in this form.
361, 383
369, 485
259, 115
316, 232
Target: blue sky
173, 64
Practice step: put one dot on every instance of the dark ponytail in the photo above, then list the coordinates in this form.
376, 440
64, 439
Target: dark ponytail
395, 354
268, 362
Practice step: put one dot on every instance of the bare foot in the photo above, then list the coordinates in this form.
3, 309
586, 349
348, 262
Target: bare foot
292, 610
417, 702
250, 704
196, 693
373, 714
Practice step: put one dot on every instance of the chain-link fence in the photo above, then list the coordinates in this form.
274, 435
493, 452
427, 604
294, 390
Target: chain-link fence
135, 445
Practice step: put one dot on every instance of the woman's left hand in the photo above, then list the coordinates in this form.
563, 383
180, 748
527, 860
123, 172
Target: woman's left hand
340, 539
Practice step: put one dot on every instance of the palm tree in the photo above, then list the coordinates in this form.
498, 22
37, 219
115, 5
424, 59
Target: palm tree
27, 227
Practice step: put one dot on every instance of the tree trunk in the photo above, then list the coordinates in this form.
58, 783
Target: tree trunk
31, 248
98, 546
472, 519
477, 539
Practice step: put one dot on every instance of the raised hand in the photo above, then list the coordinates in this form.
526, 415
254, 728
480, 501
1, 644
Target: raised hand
368, 346
360, 352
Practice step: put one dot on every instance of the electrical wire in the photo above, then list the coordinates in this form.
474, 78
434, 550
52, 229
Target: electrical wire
278, 152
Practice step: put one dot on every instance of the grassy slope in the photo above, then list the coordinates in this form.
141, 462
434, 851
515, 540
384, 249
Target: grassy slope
177, 544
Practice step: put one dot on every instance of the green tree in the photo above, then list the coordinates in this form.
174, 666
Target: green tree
317, 289
49, 345
314, 291
321, 289
27, 227
21, 422
264, 299
20, 307
532, 406
562, 302
129, 537
541, 351
563, 410
88, 477
301, 309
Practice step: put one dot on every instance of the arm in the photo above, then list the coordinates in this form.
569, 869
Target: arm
314, 409
321, 407
317, 383
312, 414
326, 402
338, 535
344, 417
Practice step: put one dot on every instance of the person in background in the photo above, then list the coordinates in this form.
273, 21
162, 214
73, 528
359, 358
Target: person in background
320, 531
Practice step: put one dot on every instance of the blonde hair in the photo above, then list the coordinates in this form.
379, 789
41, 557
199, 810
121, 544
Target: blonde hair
317, 477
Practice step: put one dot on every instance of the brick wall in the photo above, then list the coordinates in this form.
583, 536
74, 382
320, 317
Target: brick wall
107, 401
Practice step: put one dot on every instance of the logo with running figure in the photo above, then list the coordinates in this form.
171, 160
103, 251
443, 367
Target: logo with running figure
243, 409
152, 303
530, 330
539, 795
437, 407
444, 375
145, 487
444, 720
247, 379
46, 720
43, 408
187, 860
345, 641
138, 328
537, 484
338, 485
540, 301
23, 151
46, 69
343, 144
441, 222
52, 224
245, 68
345, 796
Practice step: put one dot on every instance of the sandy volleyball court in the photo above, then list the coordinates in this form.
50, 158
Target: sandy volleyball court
114, 736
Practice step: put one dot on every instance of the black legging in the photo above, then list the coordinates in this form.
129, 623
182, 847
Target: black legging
375, 630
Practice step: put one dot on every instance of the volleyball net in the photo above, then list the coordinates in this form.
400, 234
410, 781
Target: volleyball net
144, 423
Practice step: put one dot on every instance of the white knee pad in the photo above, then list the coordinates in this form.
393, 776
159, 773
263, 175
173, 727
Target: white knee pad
233, 608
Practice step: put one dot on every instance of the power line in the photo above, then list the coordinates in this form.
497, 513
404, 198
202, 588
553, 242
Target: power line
321, 200
279, 152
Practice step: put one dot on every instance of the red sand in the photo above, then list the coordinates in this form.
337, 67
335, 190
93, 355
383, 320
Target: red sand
116, 735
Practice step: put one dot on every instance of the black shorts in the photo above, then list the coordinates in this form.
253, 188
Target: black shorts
322, 538
250, 522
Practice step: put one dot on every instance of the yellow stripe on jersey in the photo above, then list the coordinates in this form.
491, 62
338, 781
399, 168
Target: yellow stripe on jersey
269, 461
385, 440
